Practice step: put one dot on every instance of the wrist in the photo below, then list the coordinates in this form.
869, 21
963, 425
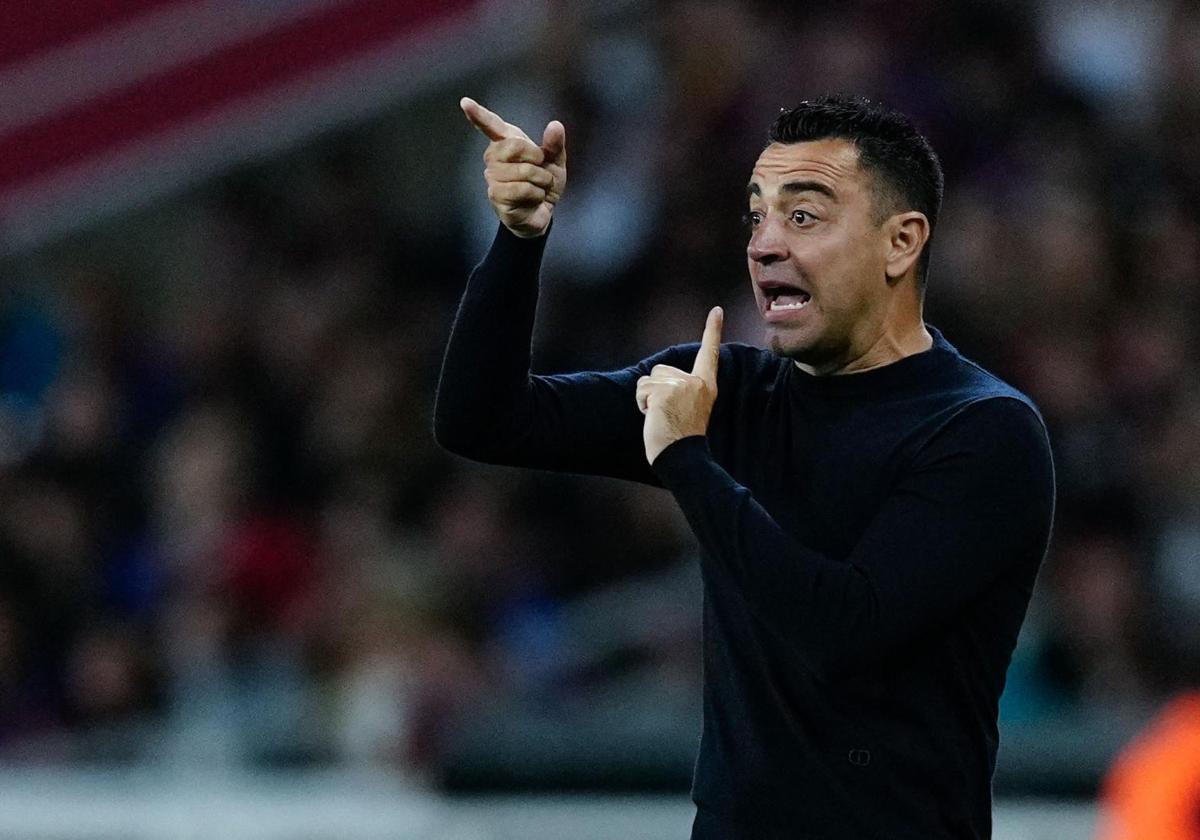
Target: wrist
527, 234
688, 446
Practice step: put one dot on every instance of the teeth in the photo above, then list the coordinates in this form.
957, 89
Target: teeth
777, 305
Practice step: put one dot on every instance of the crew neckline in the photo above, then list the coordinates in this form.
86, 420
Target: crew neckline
908, 370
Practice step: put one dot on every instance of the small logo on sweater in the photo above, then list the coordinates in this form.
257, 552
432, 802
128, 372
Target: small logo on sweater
859, 758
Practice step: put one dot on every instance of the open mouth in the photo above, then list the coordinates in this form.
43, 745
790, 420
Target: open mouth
798, 300
781, 298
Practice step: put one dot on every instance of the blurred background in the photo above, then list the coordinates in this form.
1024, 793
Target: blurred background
244, 594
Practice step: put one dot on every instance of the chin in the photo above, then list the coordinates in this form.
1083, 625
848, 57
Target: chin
791, 347
805, 350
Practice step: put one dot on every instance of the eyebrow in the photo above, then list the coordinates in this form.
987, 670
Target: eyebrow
792, 187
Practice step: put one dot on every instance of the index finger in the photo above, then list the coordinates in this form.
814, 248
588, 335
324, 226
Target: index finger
487, 121
705, 365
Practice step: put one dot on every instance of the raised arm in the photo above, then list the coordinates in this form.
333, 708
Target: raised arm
490, 407
975, 508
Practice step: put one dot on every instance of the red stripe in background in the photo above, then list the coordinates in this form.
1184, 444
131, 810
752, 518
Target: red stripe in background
190, 91
32, 26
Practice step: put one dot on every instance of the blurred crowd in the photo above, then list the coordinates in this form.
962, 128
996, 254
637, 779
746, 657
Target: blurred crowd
227, 535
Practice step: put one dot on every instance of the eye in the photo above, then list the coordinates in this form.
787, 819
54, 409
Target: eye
752, 219
801, 216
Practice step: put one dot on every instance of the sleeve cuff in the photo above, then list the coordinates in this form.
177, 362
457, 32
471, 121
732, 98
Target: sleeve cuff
515, 249
687, 466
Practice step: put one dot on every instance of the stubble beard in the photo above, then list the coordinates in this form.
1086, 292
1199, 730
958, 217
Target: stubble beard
805, 351
795, 349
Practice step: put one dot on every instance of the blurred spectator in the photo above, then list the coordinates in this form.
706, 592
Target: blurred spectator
227, 536
1154, 789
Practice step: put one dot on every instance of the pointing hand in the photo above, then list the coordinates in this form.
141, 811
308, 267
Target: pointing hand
524, 180
678, 404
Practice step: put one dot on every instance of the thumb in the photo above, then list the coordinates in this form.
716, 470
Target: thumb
554, 143
707, 357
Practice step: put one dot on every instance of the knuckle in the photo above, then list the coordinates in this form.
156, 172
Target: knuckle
520, 151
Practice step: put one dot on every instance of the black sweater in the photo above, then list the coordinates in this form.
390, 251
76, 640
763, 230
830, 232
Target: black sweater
869, 546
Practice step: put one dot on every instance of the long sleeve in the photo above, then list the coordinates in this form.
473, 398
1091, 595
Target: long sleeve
491, 408
977, 502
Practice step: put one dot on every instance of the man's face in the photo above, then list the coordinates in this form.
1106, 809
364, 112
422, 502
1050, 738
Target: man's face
816, 257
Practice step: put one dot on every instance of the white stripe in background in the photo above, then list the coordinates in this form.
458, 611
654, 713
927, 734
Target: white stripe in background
136, 49
70, 197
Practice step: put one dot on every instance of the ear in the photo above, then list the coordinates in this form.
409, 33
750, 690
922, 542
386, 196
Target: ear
907, 234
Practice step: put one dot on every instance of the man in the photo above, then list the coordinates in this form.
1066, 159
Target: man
872, 507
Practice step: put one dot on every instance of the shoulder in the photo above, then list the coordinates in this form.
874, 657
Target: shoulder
1001, 415
751, 364
984, 412
995, 424
738, 362
979, 395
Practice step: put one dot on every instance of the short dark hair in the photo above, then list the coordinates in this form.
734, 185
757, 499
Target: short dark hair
903, 165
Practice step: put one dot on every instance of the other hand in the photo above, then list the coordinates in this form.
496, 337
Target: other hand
678, 404
525, 181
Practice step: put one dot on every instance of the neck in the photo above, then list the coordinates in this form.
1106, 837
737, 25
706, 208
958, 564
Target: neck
890, 344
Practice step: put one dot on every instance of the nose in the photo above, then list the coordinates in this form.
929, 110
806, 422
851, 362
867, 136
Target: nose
767, 243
